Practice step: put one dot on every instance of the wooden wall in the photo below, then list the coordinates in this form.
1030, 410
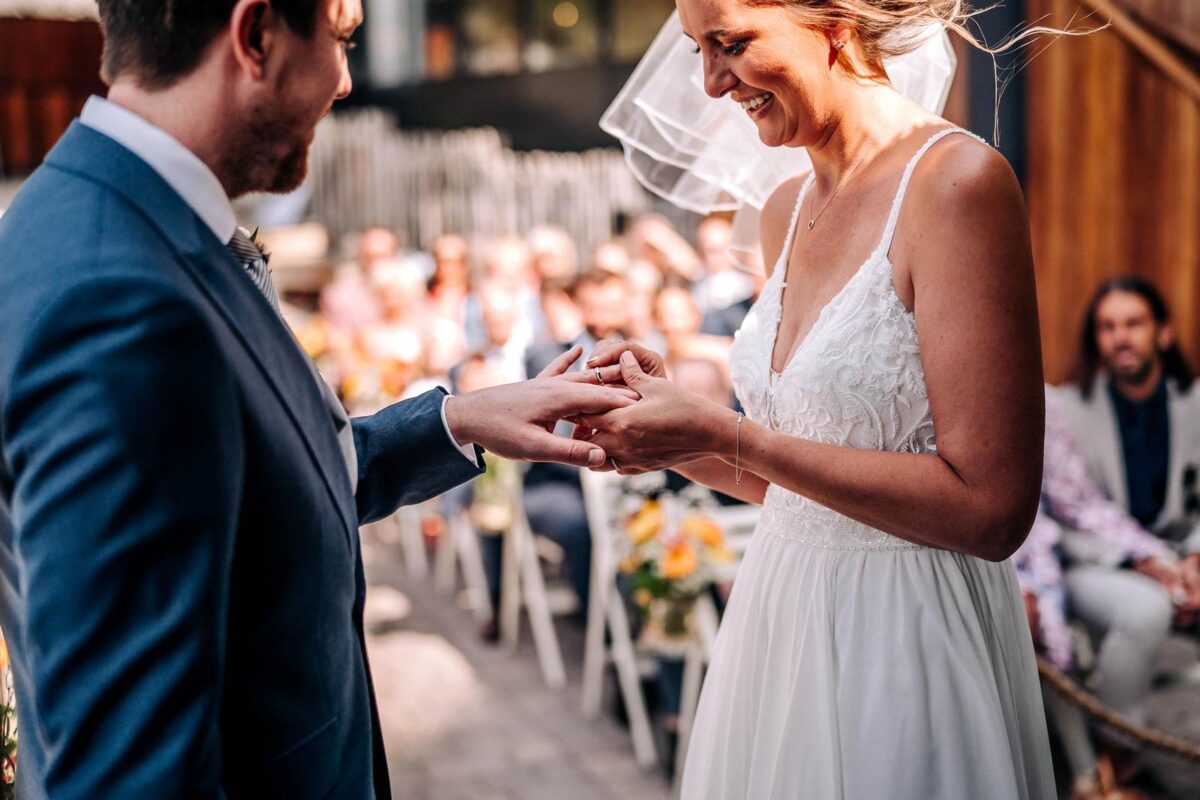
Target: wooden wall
48, 68
1113, 179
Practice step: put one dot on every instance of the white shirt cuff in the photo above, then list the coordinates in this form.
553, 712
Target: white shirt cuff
468, 449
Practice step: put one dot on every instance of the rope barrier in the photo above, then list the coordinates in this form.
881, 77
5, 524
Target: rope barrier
1150, 737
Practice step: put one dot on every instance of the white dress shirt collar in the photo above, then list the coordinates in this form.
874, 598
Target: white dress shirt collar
179, 167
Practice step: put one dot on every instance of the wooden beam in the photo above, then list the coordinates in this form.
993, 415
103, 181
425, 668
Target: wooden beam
1150, 46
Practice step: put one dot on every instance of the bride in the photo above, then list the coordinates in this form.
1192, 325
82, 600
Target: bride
875, 645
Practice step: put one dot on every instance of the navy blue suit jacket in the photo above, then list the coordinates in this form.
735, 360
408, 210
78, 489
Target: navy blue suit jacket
182, 581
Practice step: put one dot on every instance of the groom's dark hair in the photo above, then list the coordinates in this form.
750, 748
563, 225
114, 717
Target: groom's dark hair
160, 41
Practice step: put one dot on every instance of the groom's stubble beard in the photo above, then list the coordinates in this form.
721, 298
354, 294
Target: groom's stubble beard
272, 152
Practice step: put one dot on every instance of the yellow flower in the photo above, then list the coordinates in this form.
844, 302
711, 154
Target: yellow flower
680, 561
643, 598
646, 523
721, 555
630, 565
705, 530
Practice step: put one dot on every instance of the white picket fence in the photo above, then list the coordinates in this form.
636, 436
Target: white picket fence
365, 171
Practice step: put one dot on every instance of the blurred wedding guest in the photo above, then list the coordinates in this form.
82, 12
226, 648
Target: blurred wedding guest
502, 351
554, 253
554, 496
728, 320
396, 343
349, 301
1109, 551
507, 262
678, 320
611, 257
654, 239
1135, 416
564, 320
601, 297
644, 280
723, 284
451, 281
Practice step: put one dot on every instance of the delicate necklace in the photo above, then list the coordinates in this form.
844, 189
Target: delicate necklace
813, 220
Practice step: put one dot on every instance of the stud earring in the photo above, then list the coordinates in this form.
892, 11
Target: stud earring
838, 46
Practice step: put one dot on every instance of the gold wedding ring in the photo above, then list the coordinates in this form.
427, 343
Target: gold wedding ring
599, 379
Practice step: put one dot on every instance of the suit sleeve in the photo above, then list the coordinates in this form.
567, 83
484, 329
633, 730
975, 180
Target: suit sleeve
124, 436
405, 457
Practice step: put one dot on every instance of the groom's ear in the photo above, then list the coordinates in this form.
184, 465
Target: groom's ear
254, 29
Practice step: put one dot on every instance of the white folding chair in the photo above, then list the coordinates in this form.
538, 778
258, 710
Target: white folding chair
606, 612
412, 543
459, 550
522, 585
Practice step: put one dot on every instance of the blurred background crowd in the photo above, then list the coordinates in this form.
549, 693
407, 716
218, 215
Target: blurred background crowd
466, 221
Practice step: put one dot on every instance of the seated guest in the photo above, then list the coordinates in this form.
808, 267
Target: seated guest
644, 281
678, 319
1132, 551
564, 321
450, 284
1132, 638
554, 253
553, 495
723, 284
728, 320
507, 262
1136, 421
349, 302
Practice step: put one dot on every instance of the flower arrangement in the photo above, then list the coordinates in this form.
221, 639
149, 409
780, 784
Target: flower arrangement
8, 729
670, 555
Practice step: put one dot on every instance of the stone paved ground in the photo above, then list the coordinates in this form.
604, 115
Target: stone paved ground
464, 720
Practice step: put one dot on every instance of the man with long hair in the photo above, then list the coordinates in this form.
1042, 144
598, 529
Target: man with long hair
1135, 420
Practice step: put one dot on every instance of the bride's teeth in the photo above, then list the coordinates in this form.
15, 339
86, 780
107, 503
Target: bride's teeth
755, 102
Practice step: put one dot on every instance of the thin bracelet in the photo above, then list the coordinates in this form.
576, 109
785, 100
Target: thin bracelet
737, 453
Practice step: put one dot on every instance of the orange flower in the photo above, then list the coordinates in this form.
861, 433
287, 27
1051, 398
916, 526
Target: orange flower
646, 523
680, 561
703, 529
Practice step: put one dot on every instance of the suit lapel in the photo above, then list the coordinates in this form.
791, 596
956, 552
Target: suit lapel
1181, 433
231, 292
1107, 441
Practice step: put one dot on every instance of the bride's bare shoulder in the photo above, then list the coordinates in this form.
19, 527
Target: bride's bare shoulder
776, 217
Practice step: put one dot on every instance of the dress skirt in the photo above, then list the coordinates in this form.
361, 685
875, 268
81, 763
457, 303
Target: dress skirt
898, 673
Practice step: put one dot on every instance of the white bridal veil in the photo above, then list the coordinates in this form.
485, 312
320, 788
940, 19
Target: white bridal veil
704, 155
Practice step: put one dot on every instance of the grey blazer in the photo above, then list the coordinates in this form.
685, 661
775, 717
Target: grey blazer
1093, 425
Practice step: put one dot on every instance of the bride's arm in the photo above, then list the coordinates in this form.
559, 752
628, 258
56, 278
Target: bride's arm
976, 311
718, 475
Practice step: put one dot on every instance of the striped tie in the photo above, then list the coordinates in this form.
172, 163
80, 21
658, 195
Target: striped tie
251, 258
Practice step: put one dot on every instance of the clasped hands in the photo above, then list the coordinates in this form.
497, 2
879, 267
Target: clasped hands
668, 426
627, 415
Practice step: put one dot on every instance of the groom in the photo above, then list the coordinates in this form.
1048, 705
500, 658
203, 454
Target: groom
179, 494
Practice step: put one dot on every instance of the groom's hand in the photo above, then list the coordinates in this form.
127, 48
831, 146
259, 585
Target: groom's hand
516, 421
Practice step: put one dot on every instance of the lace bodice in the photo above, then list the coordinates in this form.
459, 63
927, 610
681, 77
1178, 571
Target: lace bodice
856, 380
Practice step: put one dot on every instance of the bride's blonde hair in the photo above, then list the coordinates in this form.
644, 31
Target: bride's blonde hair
885, 28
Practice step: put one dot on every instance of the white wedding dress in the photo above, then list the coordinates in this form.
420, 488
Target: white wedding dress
850, 663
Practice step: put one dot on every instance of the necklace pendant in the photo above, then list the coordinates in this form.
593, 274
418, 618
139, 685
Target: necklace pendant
811, 222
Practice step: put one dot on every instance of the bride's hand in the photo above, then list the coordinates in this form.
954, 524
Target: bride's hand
669, 426
607, 357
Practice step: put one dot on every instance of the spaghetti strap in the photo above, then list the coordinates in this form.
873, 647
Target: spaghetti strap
889, 230
785, 254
